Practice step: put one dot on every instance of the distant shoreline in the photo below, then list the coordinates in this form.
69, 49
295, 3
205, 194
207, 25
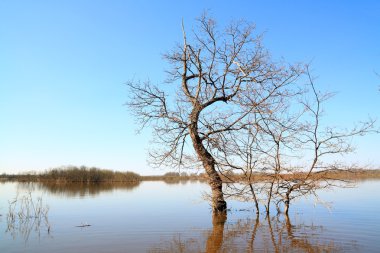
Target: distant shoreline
96, 175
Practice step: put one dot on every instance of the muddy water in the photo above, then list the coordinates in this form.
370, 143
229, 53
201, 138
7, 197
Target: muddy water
162, 217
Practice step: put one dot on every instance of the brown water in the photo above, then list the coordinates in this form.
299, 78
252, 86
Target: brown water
163, 217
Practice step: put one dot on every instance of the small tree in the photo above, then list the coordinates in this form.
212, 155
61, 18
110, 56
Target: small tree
320, 142
221, 79
282, 156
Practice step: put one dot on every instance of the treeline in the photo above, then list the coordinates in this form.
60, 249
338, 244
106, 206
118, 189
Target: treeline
85, 174
352, 175
95, 175
77, 174
175, 176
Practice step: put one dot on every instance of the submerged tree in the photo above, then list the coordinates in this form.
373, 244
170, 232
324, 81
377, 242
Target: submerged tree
318, 170
289, 152
220, 80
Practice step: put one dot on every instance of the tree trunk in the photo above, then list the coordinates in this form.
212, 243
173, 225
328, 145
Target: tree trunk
287, 203
219, 205
215, 182
254, 198
267, 206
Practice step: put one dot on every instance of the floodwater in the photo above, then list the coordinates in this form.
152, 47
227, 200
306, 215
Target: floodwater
174, 217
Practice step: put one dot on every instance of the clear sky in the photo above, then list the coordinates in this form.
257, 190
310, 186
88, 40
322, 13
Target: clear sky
63, 65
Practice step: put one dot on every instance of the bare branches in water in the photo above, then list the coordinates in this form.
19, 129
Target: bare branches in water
27, 214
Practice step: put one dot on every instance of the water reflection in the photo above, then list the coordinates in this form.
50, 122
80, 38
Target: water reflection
269, 234
78, 189
158, 217
176, 180
215, 238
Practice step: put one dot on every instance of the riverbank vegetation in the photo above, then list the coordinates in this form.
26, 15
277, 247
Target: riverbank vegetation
76, 174
84, 174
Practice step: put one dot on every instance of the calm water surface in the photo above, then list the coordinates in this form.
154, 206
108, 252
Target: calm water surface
164, 217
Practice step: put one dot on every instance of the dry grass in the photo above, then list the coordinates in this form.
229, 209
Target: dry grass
27, 214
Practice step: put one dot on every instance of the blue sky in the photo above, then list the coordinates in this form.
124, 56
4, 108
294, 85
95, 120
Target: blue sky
63, 67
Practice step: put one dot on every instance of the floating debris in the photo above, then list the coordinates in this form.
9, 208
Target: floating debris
83, 225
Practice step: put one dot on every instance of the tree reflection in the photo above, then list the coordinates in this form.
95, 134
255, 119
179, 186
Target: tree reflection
215, 239
79, 189
269, 234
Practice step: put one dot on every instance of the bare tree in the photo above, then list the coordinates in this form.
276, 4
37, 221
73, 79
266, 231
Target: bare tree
321, 142
219, 79
283, 156
239, 156
261, 150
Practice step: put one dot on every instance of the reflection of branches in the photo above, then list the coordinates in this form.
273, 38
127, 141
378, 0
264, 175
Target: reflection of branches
27, 214
177, 244
272, 234
251, 245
